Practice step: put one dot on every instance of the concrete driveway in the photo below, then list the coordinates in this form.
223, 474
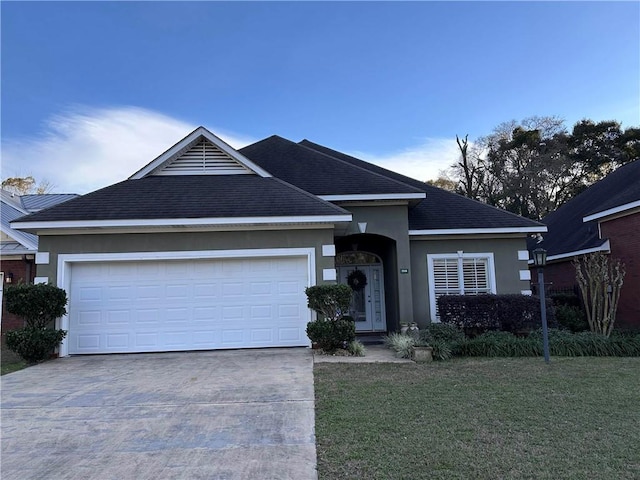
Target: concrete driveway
240, 414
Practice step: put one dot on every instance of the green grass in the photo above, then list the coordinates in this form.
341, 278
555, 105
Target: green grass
506, 418
8, 367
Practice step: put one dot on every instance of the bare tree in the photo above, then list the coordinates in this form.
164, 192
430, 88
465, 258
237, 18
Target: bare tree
468, 182
26, 185
600, 280
443, 181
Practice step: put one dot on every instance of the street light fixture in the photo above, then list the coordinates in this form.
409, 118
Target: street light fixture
540, 260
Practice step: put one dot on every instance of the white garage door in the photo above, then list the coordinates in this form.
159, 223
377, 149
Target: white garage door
150, 306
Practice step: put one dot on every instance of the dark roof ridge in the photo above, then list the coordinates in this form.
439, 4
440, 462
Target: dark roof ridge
310, 195
413, 182
360, 167
406, 179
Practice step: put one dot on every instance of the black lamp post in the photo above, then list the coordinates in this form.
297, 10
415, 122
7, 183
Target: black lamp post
540, 260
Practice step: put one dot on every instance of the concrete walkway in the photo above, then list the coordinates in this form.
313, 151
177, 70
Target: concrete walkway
373, 354
239, 414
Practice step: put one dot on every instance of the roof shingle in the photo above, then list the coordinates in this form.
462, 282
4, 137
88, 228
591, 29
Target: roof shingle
568, 233
318, 173
441, 209
190, 196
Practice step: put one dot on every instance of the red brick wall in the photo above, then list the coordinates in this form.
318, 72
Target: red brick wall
624, 235
557, 276
19, 269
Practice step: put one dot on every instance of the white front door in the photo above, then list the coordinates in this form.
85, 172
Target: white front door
367, 303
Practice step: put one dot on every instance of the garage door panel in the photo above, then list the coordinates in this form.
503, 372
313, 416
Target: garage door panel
289, 334
230, 289
118, 317
183, 305
89, 318
205, 291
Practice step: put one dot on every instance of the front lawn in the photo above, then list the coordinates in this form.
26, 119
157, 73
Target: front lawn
9, 367
480, 418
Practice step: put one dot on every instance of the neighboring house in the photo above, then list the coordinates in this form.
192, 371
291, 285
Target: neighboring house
207, 247
603, 218
18, 249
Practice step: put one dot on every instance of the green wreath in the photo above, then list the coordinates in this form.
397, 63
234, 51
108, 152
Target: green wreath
357, 280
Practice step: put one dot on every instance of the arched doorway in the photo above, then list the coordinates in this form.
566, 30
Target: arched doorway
363, 272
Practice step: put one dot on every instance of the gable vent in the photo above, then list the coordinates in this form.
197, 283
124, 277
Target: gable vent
204, 158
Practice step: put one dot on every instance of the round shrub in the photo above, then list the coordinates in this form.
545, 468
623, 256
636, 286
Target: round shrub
34, 345
39, 304
443, 332
572, 318
332, 334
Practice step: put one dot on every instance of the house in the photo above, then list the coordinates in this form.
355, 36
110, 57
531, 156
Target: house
209, 247
603, 218
19, 249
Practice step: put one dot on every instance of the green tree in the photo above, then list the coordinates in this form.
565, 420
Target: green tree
532, 167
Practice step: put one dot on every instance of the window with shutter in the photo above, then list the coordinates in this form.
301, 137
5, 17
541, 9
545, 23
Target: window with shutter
459, 274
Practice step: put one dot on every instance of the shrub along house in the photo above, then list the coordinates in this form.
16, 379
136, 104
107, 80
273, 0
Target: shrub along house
208, 247
603, 218
19, 249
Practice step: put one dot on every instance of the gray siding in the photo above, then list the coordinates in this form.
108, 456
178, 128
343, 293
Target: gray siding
507, 265
184, 241
390, 221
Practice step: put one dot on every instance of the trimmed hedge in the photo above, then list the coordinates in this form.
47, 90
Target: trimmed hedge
561, 343
477, 314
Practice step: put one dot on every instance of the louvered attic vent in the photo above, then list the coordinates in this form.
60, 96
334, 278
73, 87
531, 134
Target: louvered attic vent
204, 158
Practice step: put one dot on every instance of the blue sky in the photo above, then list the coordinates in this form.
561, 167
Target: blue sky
92, 91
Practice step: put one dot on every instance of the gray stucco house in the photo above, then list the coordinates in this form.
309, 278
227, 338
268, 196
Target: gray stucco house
209, 247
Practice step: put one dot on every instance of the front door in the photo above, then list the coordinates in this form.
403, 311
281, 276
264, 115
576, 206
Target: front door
367, 303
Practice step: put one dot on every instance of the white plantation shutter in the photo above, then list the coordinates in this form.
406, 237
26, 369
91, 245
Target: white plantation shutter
446, 278
475, 276
459, 274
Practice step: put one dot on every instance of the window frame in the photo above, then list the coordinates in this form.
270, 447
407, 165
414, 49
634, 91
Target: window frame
459, 256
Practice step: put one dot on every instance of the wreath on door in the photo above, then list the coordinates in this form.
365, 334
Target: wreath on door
357, 280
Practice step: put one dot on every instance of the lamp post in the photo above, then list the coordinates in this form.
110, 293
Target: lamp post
540, 260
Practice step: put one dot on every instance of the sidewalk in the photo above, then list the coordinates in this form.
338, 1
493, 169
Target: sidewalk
373, 354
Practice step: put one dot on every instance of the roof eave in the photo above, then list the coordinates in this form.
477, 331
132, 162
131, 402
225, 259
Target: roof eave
604, 247
181, 222
25, 242
478, 231
627, 208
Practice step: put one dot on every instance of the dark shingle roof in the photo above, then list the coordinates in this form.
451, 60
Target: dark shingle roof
441, 209
568, 233
320, 174
190, 196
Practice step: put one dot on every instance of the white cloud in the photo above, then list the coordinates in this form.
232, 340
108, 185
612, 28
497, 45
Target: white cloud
422, 162
85, 149
89, 148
